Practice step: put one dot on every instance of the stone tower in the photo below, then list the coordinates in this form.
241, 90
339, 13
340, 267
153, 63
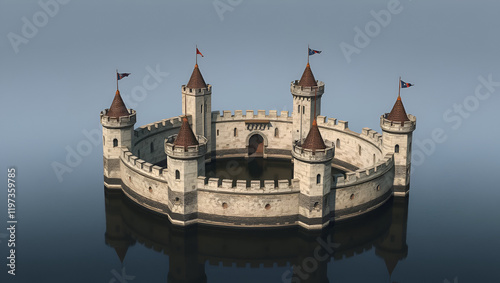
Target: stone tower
397, 128
313, 167
117, 131
303, 93
197, 102
185, 162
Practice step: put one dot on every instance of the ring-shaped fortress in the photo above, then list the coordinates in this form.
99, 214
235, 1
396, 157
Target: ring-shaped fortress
377, 165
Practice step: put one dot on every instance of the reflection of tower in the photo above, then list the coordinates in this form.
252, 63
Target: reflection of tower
303, 93
184, 266
117, 131
393, 247
397, 128
116, 235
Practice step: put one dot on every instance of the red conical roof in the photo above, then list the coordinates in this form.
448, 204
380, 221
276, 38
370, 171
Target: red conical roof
398, 113
186, 136
307, 78
117, 108
314, 140
196, 80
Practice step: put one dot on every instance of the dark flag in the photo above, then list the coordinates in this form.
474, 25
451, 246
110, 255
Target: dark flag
198, 52
312, 52
405, 85
120, 76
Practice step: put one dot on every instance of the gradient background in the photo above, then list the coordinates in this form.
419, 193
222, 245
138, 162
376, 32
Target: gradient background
58, 82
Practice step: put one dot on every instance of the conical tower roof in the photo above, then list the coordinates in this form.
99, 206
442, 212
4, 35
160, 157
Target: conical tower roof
117, 108
314, 140
121, 252
398, 113
196, 80
186, 136
307, 78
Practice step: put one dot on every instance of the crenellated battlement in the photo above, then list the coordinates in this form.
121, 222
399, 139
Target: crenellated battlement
309, 155
371, 135
159, 126
365, 174
143, 167
298, 90
398, 127
241, 186
332, 123
120, 122
188, 152
197, 91
250, 114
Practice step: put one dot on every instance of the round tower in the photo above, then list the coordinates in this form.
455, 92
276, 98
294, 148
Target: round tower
117, 132
303, 92
185, 162
397, 130
312, 165
197, 102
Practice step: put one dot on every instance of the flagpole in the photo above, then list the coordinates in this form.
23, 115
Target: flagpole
315, 101
196, 54
399, 84
308, 54
117, 79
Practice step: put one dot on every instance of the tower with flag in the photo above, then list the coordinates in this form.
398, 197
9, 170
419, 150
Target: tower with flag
397, 128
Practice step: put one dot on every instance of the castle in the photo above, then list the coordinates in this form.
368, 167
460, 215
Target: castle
377, 166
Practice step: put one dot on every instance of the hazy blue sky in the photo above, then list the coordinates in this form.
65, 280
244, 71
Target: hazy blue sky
57, 72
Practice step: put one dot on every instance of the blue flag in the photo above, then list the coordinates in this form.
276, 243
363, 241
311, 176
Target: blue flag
120, 76
312, 52
405, 85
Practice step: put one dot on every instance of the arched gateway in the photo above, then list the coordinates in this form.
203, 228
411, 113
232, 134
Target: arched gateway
256, 146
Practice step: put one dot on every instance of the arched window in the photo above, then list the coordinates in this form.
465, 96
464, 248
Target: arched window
152, 147
276, 133
235, 132
115, 143
338, 143
396, 148
318, 179
177, 174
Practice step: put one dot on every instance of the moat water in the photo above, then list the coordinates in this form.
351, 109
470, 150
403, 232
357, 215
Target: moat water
73, 231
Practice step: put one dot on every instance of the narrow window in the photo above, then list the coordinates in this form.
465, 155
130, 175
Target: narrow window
235, 132
177, 174
115, 143
276, 133
338, 143
152, 147
201, 108
217, 132
374, 159
298, 109
396, 148
303, 109
103, 141
359, 149
318, 178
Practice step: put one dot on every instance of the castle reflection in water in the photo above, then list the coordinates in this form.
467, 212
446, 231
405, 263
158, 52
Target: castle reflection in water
190, 248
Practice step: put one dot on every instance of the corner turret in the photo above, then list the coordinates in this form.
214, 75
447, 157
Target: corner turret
117, 131
397, 128
312, 158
